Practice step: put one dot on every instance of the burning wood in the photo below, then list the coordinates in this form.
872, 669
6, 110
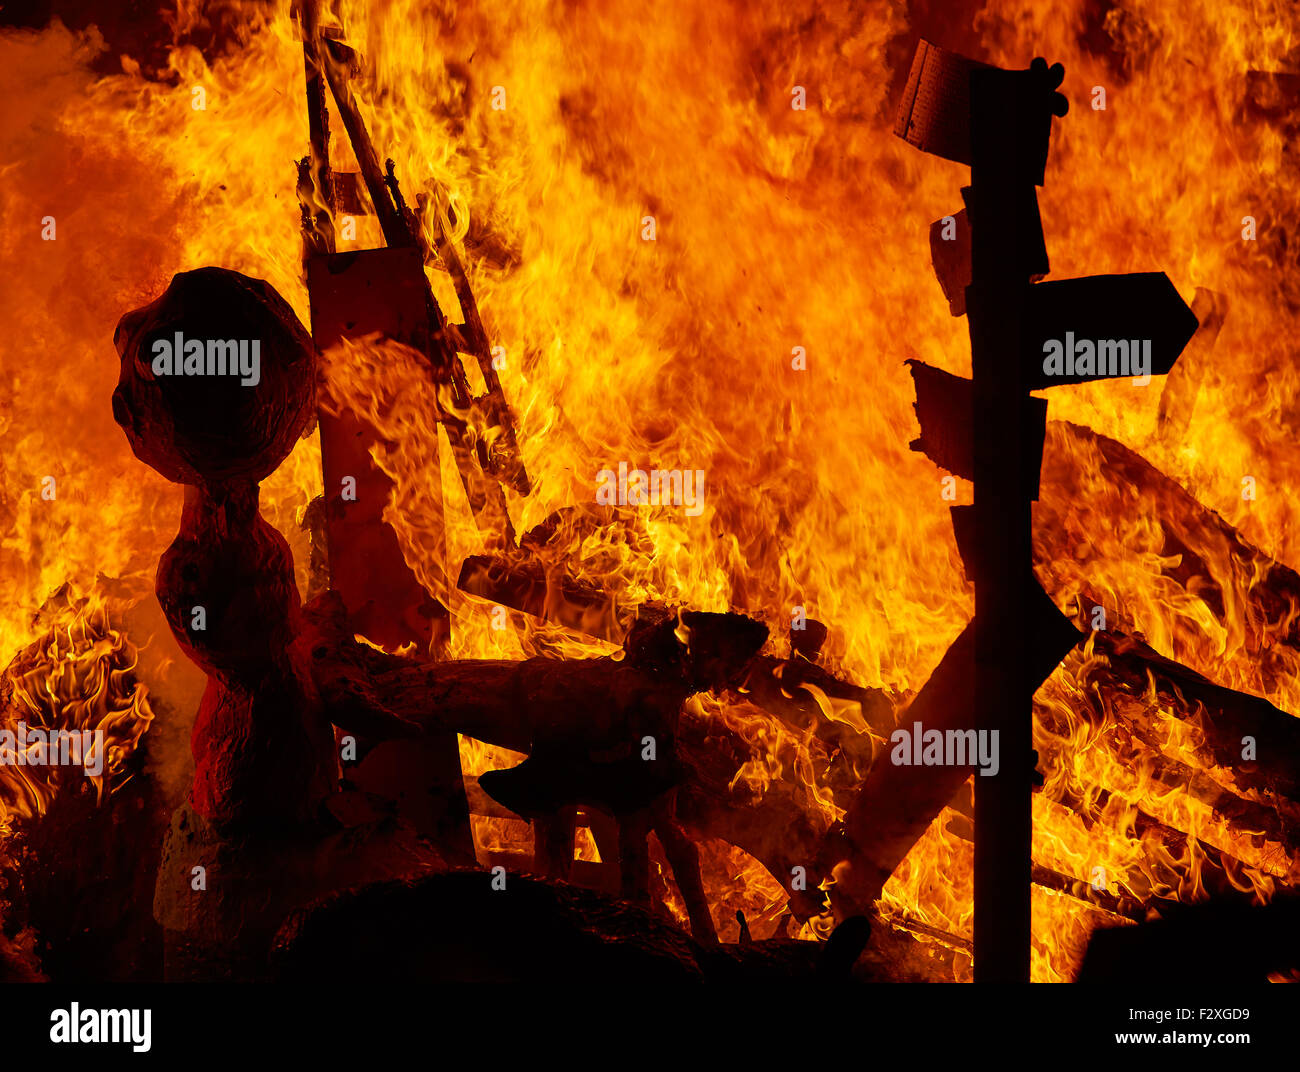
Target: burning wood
72, 712
1245, 590
380, 292
895, 804
480, 431
1133, 670
1231, 723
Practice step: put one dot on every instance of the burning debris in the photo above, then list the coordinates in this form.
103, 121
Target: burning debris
72, 711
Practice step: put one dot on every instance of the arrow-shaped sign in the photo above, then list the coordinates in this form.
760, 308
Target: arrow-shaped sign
1102, 327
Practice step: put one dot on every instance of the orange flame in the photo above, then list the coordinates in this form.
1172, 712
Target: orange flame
77, 677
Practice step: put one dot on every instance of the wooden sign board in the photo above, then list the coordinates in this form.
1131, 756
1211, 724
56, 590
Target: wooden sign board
945, 409
934, 114
1103, 327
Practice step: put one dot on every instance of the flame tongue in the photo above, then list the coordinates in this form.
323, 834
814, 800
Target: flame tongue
77, 678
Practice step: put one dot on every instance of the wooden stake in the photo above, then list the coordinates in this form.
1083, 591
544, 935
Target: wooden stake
1008, 150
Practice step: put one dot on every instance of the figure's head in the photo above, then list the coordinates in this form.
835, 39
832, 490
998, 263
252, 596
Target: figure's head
217, 378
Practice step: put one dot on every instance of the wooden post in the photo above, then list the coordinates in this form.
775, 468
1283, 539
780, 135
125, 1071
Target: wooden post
316, 181
999, 123
1006, 251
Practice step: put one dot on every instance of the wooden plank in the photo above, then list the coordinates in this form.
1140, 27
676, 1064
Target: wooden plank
945, 409
951, 259
353, 295
934, 112
1080, 315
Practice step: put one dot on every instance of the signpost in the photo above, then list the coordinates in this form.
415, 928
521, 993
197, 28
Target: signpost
1024, 336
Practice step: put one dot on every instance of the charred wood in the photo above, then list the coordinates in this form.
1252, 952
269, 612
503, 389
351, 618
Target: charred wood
1225, 717
1197, 549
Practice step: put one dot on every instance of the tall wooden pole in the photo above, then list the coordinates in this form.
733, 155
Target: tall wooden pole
1008, 150
999, 122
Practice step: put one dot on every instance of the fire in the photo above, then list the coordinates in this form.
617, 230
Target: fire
77, 677
777, 232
